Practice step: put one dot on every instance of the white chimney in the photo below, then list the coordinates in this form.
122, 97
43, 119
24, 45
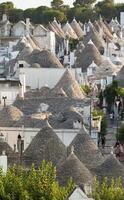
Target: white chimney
27, 26
77, 124
22, 78
3, 162
4, 17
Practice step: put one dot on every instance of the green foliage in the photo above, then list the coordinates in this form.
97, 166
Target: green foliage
110, 93
104, 126
40, 184
83, 11
50, 14
15, 15
84, 2
97, 113
6, 7
108, 190
86, 89
30, 13
73, 43
107, 9
121, 133
121, 94
57, 3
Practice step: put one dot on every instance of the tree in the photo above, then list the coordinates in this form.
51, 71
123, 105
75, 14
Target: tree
49, 15
30, 13
81, 13
108, 190
6, 7
84, 2
38, 14
104, 126
16, 15
110, 93
40, 184
57, 3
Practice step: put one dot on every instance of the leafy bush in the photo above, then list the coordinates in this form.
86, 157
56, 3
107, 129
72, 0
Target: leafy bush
86, 89
40, 184
108, 190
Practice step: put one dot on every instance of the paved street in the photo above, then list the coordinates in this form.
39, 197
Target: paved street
110, 137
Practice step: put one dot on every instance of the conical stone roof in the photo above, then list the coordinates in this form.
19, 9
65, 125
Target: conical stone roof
45, 146
57, 28
45, 58
4, 147
79, 49
10, 115
25, 52
120, 77
69, 84
21, 44
68, 30
107, 68
110, 168
98, 28
96, 39
76, 27
52, 28
58, 92
105, 29
73, 168
90, 53
72, 113
86, 150
29, 121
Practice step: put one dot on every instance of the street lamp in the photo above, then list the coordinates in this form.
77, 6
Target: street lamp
117, 101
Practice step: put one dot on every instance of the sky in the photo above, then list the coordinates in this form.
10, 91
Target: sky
35, 3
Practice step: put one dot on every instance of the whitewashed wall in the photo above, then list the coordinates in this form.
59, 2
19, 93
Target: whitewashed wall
78, 194
10, 93
39, 77
86, 114
47, 41
19, 29
122, 19
11, 134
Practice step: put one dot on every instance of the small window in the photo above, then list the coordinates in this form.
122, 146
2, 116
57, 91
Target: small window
21, 65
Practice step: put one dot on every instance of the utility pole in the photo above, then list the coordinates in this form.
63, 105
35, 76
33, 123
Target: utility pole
90, 127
